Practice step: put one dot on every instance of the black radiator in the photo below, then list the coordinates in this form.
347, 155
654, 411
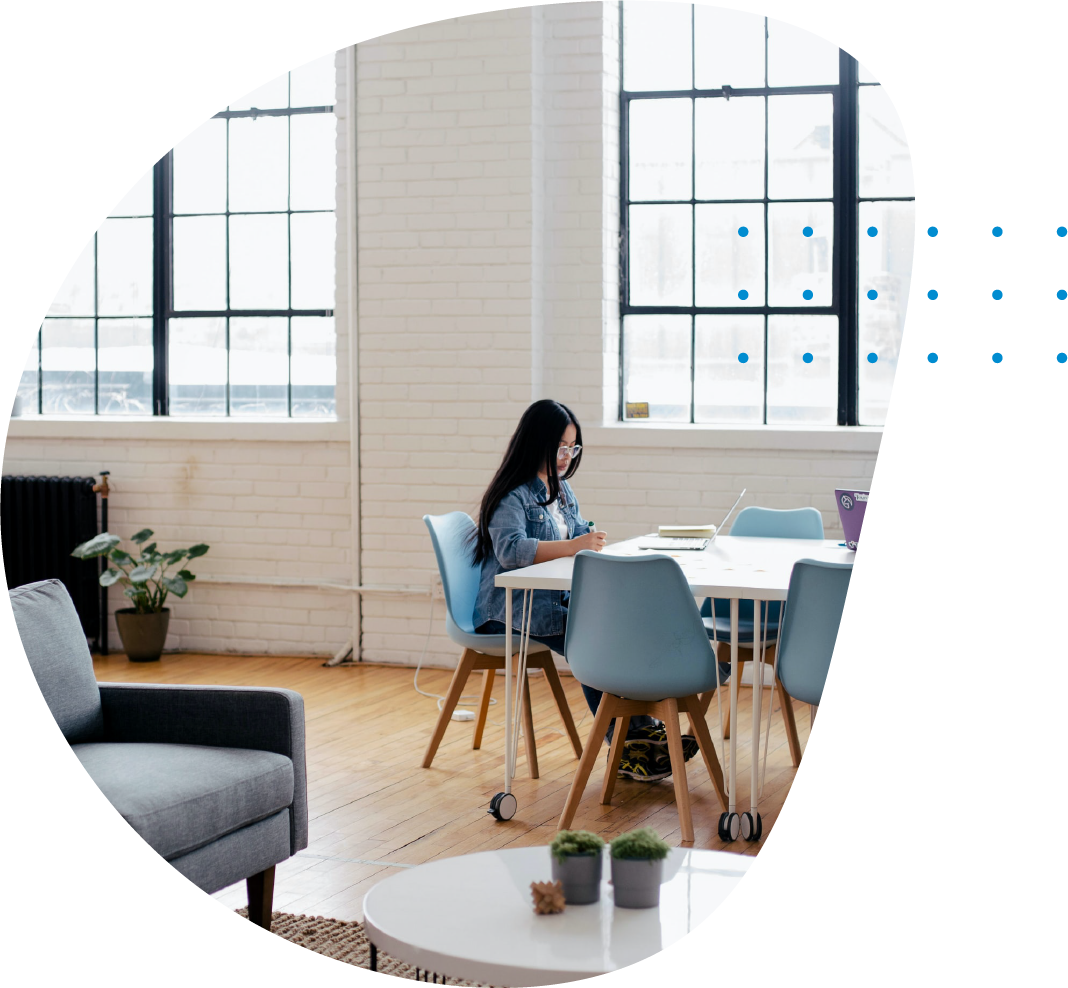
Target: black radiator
41, 520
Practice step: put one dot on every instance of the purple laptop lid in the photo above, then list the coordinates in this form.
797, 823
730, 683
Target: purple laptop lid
851, 506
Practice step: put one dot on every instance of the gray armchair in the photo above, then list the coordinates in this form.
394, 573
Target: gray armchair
212, 777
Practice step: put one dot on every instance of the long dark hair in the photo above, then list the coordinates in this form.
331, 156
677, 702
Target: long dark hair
533, 445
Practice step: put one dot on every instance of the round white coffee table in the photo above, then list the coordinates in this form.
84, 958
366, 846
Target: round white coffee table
473, 917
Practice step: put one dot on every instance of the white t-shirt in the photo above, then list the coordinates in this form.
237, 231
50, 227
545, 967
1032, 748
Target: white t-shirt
558, 519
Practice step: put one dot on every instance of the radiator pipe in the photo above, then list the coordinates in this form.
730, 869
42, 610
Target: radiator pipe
103, 490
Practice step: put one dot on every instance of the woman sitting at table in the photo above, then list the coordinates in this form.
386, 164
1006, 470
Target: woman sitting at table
529, 514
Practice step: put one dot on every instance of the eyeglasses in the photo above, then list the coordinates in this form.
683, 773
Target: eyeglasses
568, 452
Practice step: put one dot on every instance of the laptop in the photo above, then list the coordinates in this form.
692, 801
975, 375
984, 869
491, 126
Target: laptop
661, 544
851, 505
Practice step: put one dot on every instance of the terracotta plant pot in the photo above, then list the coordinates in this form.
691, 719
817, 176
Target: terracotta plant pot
580, 875
143, 635
636, 882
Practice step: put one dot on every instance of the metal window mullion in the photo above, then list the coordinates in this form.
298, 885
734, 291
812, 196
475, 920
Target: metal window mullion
693, 228
624, 194
40, 371
162, 278
845, 257
96, 323
767, 231
227, 319
289, 252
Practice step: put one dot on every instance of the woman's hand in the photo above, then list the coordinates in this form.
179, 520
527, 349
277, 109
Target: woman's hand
592, 540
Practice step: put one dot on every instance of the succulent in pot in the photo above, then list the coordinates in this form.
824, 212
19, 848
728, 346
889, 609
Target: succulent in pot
638, 868
145, 581
577, 857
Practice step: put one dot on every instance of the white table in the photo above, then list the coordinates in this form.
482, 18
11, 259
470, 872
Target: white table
736, 569
473, 917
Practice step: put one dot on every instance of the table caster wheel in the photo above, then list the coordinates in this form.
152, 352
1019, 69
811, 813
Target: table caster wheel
751, 830
729, 826
503, 806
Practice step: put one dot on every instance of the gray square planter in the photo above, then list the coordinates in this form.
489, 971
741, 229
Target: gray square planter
636, 882
580, 875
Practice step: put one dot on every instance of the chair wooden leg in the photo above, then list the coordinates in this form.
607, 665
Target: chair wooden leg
615, 753
528, 731
678, 769
589, 755
708, 751
261, 897
791, 724
483, 706
552, 677
456, 688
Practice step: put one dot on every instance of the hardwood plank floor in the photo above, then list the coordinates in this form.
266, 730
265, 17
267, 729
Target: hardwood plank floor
373, 809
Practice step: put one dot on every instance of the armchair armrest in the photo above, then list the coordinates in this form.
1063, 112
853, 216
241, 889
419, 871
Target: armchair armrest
262, 718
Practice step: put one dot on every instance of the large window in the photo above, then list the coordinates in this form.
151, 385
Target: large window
210, 289
767, 217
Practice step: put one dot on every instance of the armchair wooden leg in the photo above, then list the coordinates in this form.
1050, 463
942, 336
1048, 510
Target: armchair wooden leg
261, 897
678, 768
488, 676
619, 736
456, 688
589, 755
552, 677
528, 731
791, 724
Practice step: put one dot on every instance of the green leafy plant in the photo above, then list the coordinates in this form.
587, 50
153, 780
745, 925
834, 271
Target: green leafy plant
643, 844
144, 579
571, 842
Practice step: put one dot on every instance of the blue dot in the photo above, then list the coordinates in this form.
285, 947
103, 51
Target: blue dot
807, 231
743, 358
743, 231
872, 358
872, 231
872, 294
1062, 294
743, 295
1062, 357
932, 231
997, 358
807, 294
807, 358
932, 358
932, 294
997, 231
997, 294
1062, 231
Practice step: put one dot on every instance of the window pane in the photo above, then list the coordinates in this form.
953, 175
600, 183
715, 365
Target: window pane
661, 149
259, 366
312, 260
124, 267
314, 153
313, 367
68, 364
801, 390
200, 170
656, 365
885, 162
259, 262
27, 395
138, 201
76, 297
800, 158
801, 252
196, 366
730, 148
199, 262
729, 263
726, 388
656, 46
798, 58
886, 268
272, 96
313, 83
729, 45
661, 268
864, 74
259, 164
125, 358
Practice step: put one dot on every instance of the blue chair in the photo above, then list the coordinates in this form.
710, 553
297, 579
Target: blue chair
635, 633
767, 523
460, 578
814, 605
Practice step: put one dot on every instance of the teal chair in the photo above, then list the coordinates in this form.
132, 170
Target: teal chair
451, 535
635, 633
767, 523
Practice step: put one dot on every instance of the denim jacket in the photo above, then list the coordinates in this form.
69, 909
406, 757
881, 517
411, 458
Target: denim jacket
516, 527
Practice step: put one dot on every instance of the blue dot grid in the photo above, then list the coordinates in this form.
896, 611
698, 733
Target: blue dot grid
872, 231
1062, 231
997, 294
932, 358
872, 358
807, 294
743, 358
997, 358
743, 231
872, 294
807, 231
997, 231
932, 231
807, 358
1062, 294
1062, 357
932, 294
743, 295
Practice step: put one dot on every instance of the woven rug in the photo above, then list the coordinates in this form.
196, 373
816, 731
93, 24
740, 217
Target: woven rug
346, 942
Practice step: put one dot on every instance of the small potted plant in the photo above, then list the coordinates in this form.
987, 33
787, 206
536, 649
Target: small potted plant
142, 627
638, 868
577, 857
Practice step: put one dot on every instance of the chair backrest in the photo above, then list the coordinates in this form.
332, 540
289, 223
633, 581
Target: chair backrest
52, 635
460, 576
776, 523
634, 630
814, 605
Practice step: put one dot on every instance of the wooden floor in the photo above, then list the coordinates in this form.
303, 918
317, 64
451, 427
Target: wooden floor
373, 809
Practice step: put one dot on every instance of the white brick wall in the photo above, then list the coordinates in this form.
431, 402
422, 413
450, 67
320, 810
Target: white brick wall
487, 194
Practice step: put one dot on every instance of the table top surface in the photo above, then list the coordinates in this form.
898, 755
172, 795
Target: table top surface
473, 917
746, 568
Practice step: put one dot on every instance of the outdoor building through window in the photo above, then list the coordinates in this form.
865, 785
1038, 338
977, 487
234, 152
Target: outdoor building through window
210, 289
767, 217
